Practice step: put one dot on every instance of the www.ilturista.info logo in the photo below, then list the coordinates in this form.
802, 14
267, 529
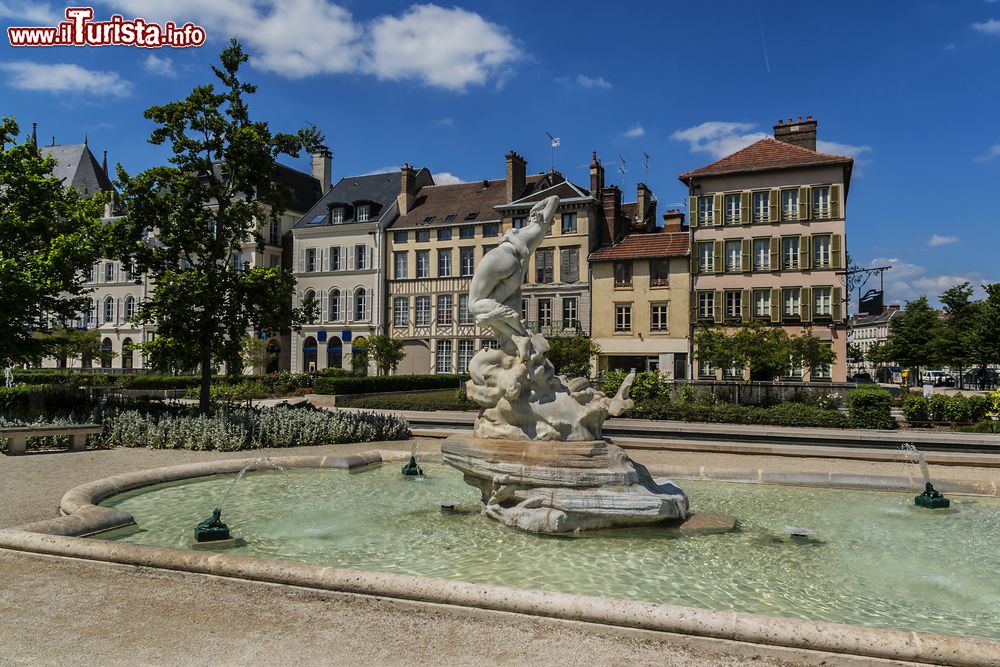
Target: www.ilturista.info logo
79, 29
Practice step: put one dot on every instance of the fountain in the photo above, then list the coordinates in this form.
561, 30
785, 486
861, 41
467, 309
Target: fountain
537, 454
411, 469
931, 498
212, 531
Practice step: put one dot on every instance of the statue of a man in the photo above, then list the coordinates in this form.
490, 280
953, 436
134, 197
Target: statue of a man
495, 292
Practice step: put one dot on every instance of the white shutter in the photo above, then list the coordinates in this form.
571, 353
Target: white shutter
118, 310
302, 260
347, 304
323, 306
350, 257
371, 257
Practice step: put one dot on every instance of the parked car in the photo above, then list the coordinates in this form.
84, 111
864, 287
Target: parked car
937, 379
889, 374
861, 378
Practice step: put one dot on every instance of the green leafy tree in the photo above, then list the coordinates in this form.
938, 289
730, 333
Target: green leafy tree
385, 351
67, 344
572, 356
214, 197
855, 354
49, 235
956, 346
986, 327
915, 334
878, 353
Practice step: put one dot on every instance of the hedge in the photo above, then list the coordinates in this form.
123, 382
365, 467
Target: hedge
785, 414
870, 407
428, 402
943, 409
362, 384
38, 376
30, 401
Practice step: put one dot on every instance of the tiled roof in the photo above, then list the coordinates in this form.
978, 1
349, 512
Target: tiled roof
543, 188
643, 246
768, 153
434, 203
859, 320
305, 188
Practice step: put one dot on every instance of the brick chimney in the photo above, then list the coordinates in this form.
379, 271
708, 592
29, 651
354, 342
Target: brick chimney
673, 221
798, 132
516, 175
322, 166
596, 176
645, 210
407, 189
611, 205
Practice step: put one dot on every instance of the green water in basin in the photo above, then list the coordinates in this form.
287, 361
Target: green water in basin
874, 560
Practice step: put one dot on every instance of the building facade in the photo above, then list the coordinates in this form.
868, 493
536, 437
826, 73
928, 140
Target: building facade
768, 238
865, 331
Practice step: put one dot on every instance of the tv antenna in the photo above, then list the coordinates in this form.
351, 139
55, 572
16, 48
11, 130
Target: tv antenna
554, 141
622, 169
645, 165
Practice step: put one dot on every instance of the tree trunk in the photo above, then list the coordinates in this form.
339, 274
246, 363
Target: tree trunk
205, 393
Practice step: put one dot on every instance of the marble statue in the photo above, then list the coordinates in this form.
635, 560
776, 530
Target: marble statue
537, 453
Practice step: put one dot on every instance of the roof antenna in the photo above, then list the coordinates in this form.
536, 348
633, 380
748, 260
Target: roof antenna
622, 169
555, 145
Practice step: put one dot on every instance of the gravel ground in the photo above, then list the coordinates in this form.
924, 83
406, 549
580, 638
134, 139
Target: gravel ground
71, 612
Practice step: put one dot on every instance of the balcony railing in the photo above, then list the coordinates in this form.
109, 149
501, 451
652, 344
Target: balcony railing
557, 328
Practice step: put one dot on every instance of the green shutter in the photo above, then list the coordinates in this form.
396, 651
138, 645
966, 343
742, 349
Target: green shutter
746, 256
804, 255
774, 206
835, 201
718, 209
745, 216
835, 251
775, 253
805, 202
836, 303
719, 257
693, 211
805, 304
775, 305
694, 261
746, 306
718, 307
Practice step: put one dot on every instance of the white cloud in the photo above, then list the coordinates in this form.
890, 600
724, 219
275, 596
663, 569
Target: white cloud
718, 138
445, 122
153, 64
585, 81
835, 148
938, 240
446, 178
32, 13
990, 27
994, 151
635, 132
65, 78
907, 281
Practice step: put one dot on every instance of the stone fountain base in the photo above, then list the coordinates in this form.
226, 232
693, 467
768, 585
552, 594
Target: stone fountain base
548, 486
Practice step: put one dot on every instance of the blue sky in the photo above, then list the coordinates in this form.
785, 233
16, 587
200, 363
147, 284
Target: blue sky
910, 89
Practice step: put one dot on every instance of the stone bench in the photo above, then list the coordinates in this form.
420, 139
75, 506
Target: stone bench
18, 435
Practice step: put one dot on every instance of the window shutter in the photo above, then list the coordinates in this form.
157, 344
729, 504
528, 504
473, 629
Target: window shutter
347, 304
746, 307
694, 307
805, 202
371, 257
719, 258
774, 206
746, 256
835, 251
775, 253
692, 212
350, 257
718, 214
775, 305
694, 261
745, 208
835, 201
836, 301
805, 304
718, 306
804, 256
302, 260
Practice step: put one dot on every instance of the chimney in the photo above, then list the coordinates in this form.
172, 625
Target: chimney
516, 170
407, 189
596, 176
322, 166
34, 135
611, 205
645, 210
673, 221
797, 132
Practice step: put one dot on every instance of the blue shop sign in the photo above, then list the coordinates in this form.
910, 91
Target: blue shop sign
346, 337
321, 335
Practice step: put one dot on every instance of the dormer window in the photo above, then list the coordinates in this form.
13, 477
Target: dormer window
337, 214
362, 213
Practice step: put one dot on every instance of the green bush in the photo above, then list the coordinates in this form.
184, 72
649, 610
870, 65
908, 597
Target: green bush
957, 409
979, 407
937, 405
430, 401
151, 381
984, 426
784, 414
24, 401
61, 376
916, 409
361, 384
870, 407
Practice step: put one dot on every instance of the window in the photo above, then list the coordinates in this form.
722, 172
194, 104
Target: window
362, 213
821, 251
400, 237
466, 349
443, 362
129, 307
545, 312
472, 215
444, 263
706, 305
423, 264
821, 202
822, 301
109, 309
795, 368
317, 220
109, 272
337, 214
361, 304
467, 232
88, 274
519, 222
464, 316
734, 256
733, 209
238, 261
428, 220
275, 232
399, 260
790, 252
491, 229
400, 311
762, 254
762, 303
761, 207
820, 372
445, 313
659, 272
467, 261
569, 265
569, 223
706, 257
524, 309
790, 204
309, 296
658, 317
90, 317
444, 234
361, 257
491, 344
705, 369
275, 260
570, 312
310, 260
335, 314
623, 274
623, 317
422, 308
335, 262
734, 304
544, 265
791, 303
423, 235
705, 211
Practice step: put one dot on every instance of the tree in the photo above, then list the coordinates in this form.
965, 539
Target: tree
49, 235
215, 196
878, 353
956, 344
66, 343
855, 354
986, 327
385, 351
915, 333
572, 356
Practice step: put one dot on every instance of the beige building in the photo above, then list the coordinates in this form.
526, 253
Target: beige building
768, 238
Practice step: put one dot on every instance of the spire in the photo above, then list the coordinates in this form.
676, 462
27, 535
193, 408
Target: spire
104, 163
34, 135
84, 138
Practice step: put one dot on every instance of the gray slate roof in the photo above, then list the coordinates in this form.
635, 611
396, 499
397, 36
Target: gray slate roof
77, 167
378, 189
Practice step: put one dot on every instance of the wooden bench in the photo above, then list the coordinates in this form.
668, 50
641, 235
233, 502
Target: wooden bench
18, 435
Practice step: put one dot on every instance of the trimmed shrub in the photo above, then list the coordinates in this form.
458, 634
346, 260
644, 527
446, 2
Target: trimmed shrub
26, 401
870, 407
161, 381
61, 376
916, 409
784, 414
957, 409
427, 401
362, 384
